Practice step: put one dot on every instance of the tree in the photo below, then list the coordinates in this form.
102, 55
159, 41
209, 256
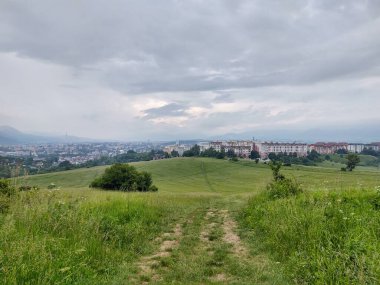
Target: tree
254, 154
341, 151
313, 155
221, 154
230, 153
194, 151
124, 177
65, 165
352, 160
275, 167
272, 156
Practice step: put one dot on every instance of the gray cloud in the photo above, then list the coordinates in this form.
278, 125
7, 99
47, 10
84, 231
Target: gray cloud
193, 67
169, 110
144, 46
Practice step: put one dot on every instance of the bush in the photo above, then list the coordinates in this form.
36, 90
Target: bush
7, 191
281, 186
124, 177
28, 188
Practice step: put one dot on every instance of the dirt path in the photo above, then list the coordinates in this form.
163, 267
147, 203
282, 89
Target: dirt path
148, 264
204, 249
231, 237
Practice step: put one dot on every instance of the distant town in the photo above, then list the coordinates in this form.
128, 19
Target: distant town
40, 158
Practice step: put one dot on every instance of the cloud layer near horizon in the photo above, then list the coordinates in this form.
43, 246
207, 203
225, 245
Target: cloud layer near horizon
181, 69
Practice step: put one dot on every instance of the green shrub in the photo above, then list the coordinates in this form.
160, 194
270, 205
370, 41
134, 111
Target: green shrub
124, 177
28, 188
283, 188
7, 191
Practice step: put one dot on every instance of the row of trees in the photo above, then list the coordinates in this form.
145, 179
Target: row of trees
312, 158
211, 152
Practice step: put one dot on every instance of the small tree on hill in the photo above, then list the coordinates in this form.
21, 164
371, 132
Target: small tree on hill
281, 186
254, 154
124, 177
352, 160
275, 167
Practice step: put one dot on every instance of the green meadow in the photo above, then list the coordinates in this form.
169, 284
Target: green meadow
211, 222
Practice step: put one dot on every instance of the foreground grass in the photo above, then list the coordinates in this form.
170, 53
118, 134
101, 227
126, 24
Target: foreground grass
53, 237
325, 237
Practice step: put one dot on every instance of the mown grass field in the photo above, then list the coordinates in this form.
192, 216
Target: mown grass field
209, 223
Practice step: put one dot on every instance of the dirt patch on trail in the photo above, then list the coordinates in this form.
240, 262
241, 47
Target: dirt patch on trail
230, 236
148, 264
208, 227
221, 277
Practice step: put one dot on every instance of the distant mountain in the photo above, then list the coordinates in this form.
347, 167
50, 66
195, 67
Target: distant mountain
10, 135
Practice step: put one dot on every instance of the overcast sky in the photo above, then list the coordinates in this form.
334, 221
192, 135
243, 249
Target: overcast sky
172, 69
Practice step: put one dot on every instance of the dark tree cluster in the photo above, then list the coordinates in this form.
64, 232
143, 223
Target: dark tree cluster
194, 151
291, 158
370, 151
124, 177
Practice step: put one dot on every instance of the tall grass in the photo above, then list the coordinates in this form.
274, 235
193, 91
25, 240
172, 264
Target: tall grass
320, 237
53, 238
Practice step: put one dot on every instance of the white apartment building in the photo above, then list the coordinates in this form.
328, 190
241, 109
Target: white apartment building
240, 148
355, 147
359, 147
328, 147
179, 148
265, 148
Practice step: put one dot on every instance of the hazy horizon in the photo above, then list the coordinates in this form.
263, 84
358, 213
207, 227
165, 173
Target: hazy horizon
168, 70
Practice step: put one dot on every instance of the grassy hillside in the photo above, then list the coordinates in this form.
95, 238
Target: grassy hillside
187, 232
203, 175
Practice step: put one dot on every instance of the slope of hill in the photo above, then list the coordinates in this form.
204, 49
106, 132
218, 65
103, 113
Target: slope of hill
204, 175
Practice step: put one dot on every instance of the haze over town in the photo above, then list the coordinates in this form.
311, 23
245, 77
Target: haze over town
167, 70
